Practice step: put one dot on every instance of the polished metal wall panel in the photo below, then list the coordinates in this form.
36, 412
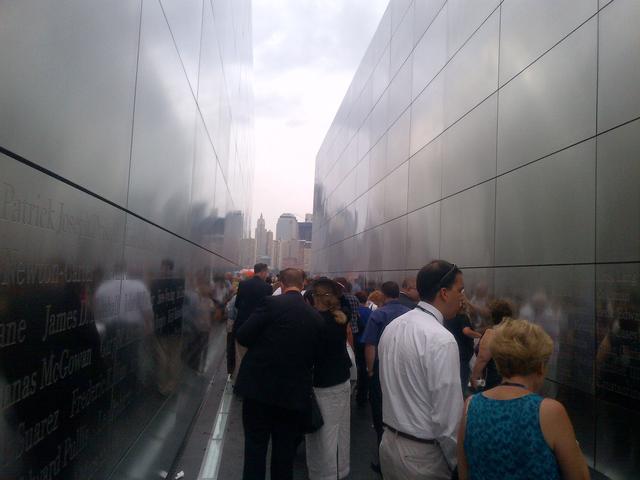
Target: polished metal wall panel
581, 408
617, 306
68, 79
398, 142
361, 212
472, 75
395, 192
400, 92
469, 148
185, 22
375, 240
424, 15
402, 40
57, 245
561, 300
425, 175
394, 244
362, 176
211, 83
522, 170
531, 27
423, 236
467, 226
427, 114
463, 18
375, 205
430, 54
618, 344
380, 77
377, 161
202, 201
550, 105
545, 211
618, 64
617, 223
164, 129
380, 117
398, 13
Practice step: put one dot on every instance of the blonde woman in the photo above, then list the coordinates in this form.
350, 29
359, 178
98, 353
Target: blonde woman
511, 432
328, 448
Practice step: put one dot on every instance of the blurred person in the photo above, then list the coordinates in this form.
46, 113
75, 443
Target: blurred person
408, 293
539, 310
378, 321
460, 328
283, 337
251, 294
478, 308
511, 432
485, 370
231, 313
362, 388
328, 448
420, 380
167, 292
375, 300
350, 302
198, 315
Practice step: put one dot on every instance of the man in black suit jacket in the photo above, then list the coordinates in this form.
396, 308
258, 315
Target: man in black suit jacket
251, 294
275, 378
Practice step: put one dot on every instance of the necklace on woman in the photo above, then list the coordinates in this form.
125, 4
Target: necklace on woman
514, 384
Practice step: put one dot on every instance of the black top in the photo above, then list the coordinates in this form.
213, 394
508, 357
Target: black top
251, 294
490, 373
283, 337
406, 301
333, 360
465, 344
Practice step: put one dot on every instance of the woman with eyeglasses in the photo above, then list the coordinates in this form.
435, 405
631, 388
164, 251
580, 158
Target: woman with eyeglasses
328, 448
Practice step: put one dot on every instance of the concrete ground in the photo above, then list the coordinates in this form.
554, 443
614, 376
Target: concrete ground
363, 445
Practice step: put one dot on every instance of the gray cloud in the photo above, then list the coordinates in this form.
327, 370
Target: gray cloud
312, 33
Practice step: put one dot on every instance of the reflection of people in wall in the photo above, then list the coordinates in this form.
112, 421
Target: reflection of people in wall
124, 319
197, 317
618, 355
167, 293
538, 310
478, 308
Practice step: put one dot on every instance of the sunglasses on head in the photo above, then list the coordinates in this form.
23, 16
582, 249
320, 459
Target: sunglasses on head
445, 278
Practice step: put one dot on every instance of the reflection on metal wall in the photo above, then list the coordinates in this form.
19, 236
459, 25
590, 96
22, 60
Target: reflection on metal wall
504, 136
126, 170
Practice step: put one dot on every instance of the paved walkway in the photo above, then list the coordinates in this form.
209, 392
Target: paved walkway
363, 443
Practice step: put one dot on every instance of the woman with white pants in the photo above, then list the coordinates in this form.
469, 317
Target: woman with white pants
328, 448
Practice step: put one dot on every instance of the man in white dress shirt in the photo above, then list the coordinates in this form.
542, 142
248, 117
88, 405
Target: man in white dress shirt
420, 377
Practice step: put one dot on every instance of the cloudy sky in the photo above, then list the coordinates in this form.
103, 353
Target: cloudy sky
305, 55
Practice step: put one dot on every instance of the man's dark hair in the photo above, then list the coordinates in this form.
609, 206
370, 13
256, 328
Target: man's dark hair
390, 289
344, 282
434, 276
260, 267
291, 277
361, 296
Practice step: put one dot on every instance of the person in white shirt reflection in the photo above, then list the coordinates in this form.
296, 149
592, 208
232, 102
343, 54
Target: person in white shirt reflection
420, 377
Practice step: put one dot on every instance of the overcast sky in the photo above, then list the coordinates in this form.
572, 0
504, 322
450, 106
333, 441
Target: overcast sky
305, 55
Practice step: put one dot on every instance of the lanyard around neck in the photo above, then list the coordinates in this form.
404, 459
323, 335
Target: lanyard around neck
427, 312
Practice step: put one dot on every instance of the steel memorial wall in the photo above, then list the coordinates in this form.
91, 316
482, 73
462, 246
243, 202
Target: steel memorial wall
504, 136
125, 177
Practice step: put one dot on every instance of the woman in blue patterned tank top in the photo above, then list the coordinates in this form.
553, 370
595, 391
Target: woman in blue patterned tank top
510, 432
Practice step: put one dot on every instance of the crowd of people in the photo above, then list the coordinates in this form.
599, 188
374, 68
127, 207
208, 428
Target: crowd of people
452, 383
